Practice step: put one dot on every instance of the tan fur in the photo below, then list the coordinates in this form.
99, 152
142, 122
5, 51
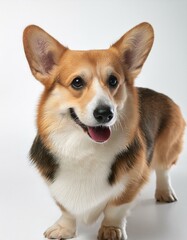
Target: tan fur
109, 233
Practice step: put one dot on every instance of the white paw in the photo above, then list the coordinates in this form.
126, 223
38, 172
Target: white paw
59, 232
165, 195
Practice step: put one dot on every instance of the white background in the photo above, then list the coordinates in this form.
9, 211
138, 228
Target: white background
26, 208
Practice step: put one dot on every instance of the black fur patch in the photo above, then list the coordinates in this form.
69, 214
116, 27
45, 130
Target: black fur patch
43, 159
154, 110
125, 160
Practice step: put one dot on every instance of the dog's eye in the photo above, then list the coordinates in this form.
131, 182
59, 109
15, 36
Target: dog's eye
78, 83
112, 81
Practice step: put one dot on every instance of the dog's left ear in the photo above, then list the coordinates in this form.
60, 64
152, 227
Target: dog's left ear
43, 53
134, 48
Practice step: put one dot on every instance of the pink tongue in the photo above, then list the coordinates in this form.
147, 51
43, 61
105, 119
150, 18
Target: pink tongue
99, 134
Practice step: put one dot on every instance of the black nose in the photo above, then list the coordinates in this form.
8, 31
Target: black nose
103, 114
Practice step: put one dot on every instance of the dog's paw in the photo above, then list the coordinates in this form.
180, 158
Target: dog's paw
167, 196
111, 233
59, 232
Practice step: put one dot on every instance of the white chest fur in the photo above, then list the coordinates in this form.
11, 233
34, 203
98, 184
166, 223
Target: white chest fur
81, 184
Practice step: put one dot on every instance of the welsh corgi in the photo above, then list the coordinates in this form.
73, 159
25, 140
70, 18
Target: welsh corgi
98, 135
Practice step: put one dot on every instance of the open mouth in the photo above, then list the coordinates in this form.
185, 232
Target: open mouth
98, 134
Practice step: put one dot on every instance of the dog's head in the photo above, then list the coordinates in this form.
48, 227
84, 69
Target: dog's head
86, 87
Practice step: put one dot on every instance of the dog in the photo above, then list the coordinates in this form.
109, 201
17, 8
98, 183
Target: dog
99, 136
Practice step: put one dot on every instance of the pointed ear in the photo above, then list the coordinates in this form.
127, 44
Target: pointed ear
134, 48
43, 53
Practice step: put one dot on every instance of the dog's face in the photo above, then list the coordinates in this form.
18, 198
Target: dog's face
89, 88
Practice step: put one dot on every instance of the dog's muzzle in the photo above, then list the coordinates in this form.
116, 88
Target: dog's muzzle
98, 134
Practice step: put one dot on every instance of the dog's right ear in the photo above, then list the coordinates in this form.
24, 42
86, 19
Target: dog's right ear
133, 49
43, 53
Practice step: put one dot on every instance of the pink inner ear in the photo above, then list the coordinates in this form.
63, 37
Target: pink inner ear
45, 56
132, 55
128, 57
47, 61
130, 60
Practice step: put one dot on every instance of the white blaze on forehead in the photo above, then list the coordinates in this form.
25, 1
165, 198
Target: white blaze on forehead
101, 96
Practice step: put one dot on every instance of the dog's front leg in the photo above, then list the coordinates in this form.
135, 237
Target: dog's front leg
114, 223
63, 228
